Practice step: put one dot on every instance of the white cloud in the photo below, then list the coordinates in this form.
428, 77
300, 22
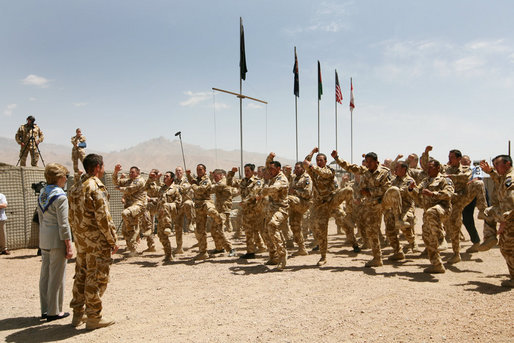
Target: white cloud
34, 80
80, 104
32, 98
195, 98
253, 106
221, 106
9, 109
328, 17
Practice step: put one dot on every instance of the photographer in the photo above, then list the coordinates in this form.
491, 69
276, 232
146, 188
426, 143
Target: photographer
28, 137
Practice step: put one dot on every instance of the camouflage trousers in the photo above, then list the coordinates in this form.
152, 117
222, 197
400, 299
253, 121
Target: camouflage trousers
147, 223
34, 156
297, 208
392, 230
274, 220
186, 211
253, 224
344, 222
320, 212
76, 155
432, 231
453, 224
165, 215
92, 268
372, 217
131, 216
506, 243
202, 211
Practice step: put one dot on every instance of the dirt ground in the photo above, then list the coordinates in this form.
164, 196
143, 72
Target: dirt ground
225, 299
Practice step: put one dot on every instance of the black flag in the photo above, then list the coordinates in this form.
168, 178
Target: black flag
296, 77
242, 58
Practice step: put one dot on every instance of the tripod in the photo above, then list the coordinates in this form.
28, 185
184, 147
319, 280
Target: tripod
27, 144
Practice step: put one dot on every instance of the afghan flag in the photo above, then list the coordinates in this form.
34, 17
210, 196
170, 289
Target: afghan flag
339, 95
320, 84
296, 76
242, 58
352, 98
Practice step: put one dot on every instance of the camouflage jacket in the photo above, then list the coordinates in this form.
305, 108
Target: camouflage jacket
133, 190
442, 188
25, 132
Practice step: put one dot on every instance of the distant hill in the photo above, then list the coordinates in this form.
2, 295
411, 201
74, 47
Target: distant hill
160, 153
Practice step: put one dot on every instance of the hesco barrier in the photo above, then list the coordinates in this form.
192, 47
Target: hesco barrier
16, 183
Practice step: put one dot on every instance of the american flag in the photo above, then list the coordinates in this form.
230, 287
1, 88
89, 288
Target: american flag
339, 95
352, 99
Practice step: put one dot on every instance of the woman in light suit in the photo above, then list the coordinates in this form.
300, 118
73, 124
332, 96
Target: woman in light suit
54, 241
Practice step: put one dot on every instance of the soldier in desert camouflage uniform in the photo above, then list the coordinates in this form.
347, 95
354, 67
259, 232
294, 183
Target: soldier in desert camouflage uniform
78, 151
133, 189
503, 212
325, 199
152, 186
300, 192
28, 137
168, 202
434, 194
223, 203
95, 240
378, 195
464, 194
276, 190
406, 219
204, 206
187, 208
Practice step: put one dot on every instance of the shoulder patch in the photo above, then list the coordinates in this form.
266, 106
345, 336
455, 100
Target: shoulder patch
307, 182
258, 183
449, 181
508, 181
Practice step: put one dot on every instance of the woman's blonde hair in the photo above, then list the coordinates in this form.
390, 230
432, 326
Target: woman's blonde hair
53, 172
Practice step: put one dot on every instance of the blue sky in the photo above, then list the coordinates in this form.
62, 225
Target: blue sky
438, 73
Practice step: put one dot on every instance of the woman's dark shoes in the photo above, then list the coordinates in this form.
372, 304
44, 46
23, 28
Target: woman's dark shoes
52, 318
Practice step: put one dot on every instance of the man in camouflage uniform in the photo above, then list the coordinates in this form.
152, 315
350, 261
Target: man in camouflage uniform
133, 189
248, 187
187, 208
300, 192
434, 194
325, 199
406, 219
378, 195
464, 194
276, 190
95, 240
78, 151
204, 206
152, 186
503, 212
28, 137
168, 202
223, 202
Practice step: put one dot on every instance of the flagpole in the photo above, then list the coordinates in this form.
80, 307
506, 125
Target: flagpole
296, 109
241, 102
335, 103
352, 105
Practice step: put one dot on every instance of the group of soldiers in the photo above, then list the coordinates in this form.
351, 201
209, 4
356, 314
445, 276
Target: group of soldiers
277, 201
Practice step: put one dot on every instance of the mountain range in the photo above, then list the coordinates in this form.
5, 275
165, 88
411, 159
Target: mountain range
160, 153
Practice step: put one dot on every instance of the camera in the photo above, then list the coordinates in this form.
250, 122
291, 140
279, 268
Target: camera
37, 187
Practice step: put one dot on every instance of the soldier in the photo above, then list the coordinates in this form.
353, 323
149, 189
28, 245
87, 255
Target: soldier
503, 212
168, 202
79, 149
152, 186
464, 194
300, 192
223, 194
378, 195
325, 199
133, 189
187, 208
406, 220
276, 189
223, 203
434, 194
95, 240
28, 137
249, 186
204, 207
